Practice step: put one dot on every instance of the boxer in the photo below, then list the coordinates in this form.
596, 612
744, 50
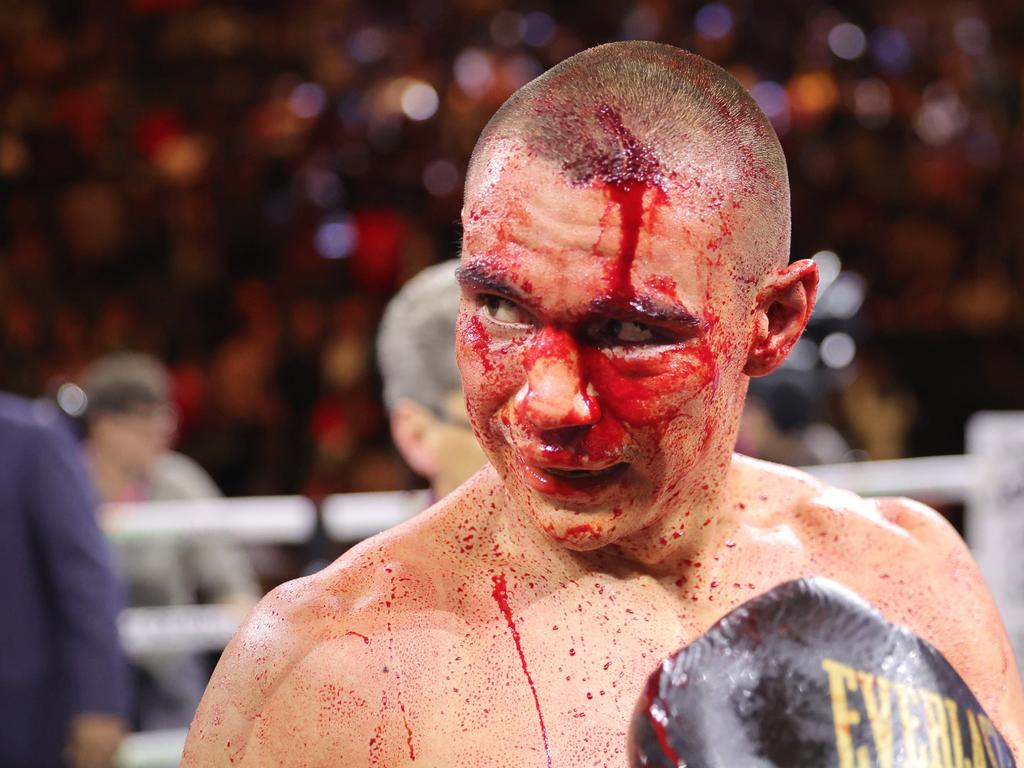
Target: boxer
624, 272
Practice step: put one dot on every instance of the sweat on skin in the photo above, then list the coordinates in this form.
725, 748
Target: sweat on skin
614, 305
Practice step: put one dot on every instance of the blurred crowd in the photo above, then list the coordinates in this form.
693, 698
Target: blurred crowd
206, 207
239, 187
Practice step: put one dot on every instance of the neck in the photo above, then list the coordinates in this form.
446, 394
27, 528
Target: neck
701, 522
696, 526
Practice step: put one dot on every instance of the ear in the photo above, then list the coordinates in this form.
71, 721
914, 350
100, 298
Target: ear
784, 306
412, 427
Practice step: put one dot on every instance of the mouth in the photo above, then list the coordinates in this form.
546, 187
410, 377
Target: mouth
574, 483
584, 474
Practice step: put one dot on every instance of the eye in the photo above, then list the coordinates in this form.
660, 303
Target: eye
626, 333
503, 311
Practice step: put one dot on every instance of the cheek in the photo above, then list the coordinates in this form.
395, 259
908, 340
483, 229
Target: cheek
492, 369
651, 392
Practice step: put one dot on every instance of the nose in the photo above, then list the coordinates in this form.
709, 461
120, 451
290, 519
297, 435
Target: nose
556, 394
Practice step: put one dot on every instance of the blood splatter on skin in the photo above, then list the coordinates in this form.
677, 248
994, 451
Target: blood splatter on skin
623, 401
500, 593
476, 336
492, 616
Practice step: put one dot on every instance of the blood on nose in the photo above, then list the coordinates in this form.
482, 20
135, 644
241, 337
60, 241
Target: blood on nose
555, 395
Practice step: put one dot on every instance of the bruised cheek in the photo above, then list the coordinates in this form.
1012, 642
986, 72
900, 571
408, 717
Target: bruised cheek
650, 391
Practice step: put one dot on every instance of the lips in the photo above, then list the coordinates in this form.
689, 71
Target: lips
582, 466
567, 458
582, 474
573, 483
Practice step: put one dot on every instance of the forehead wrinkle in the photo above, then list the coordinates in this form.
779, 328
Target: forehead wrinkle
558, 228
531, 205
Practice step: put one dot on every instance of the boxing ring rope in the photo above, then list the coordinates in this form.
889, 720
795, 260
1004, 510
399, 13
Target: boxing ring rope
353, 517
250, 519
931, 479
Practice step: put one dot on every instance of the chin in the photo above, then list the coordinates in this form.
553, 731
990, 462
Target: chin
581, 528
581, 516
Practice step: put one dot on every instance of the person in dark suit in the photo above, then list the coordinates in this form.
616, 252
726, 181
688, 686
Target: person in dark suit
63, 679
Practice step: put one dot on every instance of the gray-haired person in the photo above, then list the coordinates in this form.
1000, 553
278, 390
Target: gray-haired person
422, 388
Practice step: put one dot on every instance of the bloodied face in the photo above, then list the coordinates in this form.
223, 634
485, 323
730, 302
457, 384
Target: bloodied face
602, 338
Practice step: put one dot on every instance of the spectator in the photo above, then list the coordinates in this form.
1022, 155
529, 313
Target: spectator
130, 426
63, 681
422, 388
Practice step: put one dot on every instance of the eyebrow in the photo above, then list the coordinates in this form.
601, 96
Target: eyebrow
477, 276
645, 309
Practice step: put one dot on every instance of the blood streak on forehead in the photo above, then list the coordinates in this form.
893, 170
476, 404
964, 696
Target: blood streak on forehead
627, 174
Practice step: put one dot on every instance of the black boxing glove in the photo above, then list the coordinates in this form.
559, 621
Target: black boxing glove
810, 675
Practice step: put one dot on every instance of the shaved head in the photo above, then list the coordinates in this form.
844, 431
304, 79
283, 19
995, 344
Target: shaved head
652, 114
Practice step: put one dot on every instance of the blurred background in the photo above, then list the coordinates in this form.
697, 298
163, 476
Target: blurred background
238, 189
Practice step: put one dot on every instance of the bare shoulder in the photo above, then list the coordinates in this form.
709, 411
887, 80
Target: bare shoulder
809, 503
251, 690
311, 653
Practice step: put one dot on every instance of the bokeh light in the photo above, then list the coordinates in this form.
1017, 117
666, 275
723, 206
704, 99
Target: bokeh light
307, 100
369, 45
972, 35
322, 187
713, 21
641, 23
507, 28
838, 350
847, 41
441, 177
538, 29
336, 237
812, 94
890, 49
942, 115
829, 267
772, 99
473, 72
72, 399
843, 297
419, 101
872, 102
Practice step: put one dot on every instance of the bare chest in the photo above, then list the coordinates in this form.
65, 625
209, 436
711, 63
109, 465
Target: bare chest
547, 681
531, 672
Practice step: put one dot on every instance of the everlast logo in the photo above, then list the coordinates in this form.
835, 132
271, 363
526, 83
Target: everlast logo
934, 729
809, 675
